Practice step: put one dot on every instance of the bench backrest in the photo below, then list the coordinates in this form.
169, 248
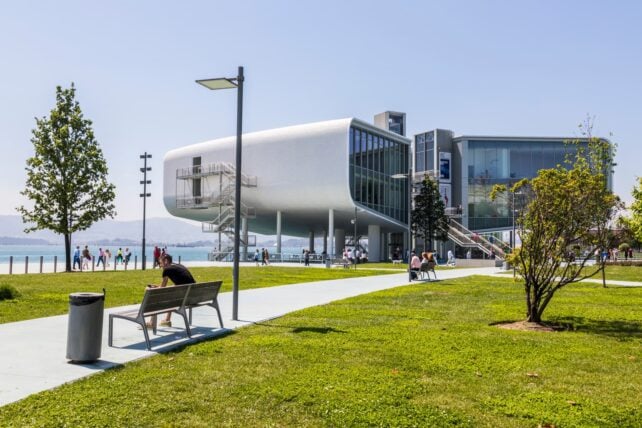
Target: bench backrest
202, 292
157, 299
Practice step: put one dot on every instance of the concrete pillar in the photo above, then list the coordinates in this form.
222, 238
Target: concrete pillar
325, 241
244, 234
331, 232
278, 232
311, 243
340, 241
374, 243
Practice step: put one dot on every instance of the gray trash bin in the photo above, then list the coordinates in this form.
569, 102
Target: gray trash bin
85, 330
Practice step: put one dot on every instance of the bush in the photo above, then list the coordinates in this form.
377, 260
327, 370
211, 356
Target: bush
624, 246
7, 292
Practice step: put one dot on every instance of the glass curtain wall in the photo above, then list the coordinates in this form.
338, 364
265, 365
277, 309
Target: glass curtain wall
504, 162
425, 152
374, 159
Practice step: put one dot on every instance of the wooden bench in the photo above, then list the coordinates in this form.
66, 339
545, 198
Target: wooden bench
179, 299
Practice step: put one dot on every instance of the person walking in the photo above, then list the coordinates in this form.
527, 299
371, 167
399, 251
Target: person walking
156, 256
107, 259
86, 258
101, 257
256, 257
306, 258
119, 256
77, 258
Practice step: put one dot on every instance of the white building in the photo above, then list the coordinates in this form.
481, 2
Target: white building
301, 181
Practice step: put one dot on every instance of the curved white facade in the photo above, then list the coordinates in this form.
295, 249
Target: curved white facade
302, 171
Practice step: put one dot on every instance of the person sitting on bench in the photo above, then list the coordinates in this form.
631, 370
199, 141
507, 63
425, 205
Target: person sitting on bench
178, 274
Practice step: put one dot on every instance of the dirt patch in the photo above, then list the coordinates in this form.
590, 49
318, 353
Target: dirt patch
525, 326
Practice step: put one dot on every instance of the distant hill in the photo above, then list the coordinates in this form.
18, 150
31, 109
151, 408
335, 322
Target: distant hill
157, 230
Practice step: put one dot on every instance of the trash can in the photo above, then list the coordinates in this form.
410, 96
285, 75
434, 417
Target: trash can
85, 329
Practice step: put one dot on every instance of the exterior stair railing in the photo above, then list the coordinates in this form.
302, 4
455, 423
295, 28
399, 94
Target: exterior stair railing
466, 238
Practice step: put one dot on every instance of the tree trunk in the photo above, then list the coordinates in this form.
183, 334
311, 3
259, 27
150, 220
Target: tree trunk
67, 252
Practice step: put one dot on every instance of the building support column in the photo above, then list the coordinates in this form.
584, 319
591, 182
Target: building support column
331, 232
244, 235
374, 243
340, 241
311, 241
325, 242
278, 234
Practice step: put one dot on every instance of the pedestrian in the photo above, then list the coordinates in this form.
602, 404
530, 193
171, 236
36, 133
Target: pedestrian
119, 256
86, 258
256, 257
451, 259
107, 259
128, 255
77, 258
266, 257
101, 257
156, 255
306, 258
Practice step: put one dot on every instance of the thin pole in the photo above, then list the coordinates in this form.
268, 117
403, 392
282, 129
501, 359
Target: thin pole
354, 251
409, 222
237, 195
144, 202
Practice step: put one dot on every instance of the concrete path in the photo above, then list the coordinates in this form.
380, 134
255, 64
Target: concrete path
33, 352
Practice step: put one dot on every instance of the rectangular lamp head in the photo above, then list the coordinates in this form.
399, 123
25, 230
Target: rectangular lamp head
220, 83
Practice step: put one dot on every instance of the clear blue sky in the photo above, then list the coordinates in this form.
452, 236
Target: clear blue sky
492, 67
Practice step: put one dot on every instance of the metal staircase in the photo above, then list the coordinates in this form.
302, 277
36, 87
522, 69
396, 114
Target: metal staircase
223, 197
468, 239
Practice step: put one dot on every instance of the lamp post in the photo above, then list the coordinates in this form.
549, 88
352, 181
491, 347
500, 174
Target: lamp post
354, 251
229, 83
408, 176
145, 195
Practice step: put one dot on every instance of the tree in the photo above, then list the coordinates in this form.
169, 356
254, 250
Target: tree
67, 175
567, 207
428, 218
634, 221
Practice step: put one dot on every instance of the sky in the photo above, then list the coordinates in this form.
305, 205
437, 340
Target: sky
534, 68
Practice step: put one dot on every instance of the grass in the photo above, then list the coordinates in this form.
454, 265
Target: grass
419, 355
615, 273
48, 294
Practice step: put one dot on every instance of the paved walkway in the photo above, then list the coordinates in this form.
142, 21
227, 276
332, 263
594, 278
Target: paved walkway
33, 352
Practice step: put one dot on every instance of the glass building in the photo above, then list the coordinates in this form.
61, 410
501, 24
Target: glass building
374, 159
467, 168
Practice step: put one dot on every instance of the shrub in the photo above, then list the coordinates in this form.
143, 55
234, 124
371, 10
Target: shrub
7, 292
624, 246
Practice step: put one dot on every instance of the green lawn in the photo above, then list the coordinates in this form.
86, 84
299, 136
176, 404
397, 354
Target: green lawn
422, 355
616, 273
48, 294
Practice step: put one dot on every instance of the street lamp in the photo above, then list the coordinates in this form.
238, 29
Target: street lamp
229, 83
144, 195
354, 240
408, 175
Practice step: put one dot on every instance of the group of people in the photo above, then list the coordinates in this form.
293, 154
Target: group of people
158, 255
354, 256
426, 263
84, 259
612, 254
263, 256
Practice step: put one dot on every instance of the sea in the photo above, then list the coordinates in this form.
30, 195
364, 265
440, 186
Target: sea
48, 252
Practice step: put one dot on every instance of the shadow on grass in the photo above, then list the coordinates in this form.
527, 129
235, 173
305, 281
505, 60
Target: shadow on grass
321, 330
614, 328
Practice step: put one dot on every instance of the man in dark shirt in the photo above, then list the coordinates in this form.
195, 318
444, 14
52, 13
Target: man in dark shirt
178, 274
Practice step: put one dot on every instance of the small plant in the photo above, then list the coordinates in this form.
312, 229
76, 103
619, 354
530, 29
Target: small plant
7, 292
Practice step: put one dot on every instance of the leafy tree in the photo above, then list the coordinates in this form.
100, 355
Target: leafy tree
67, 175
567, 207
634, 222
429, 220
